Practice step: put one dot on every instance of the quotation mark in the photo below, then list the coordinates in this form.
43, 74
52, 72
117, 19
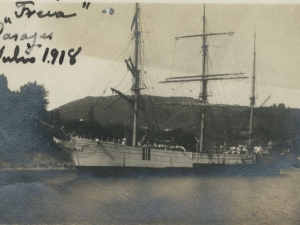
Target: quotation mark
7, 20
108, 11
86, 5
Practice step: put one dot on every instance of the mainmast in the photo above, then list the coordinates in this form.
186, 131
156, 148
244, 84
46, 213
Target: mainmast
203, 95
203, 78
252, 98
136, 76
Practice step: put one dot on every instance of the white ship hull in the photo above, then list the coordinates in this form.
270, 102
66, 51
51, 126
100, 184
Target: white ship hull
88, 153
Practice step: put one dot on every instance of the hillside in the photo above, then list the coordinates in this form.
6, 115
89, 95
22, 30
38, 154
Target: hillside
155, 111
230, 123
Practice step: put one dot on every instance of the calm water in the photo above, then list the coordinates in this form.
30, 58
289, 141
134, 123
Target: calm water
69, 197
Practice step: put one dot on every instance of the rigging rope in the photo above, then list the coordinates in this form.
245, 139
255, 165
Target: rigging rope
112, 103
174, 116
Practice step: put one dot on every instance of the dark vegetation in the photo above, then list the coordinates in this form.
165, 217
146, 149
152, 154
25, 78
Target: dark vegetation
21, 136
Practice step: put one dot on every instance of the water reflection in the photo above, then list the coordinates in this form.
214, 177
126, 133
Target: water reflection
110, 196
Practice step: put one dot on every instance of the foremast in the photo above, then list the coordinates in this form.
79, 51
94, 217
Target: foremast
204, 78
134, 69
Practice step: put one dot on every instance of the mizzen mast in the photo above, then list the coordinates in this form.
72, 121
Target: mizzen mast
252, 98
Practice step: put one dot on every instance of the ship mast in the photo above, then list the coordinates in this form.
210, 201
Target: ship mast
203, 95
252, 98
203, 78
133, 67
136, 76
135, 73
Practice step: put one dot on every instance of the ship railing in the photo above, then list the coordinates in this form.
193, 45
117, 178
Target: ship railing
116, 141
96, 139
197, 155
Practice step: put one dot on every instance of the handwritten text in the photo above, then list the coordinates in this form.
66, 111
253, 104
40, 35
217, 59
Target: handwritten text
28, 12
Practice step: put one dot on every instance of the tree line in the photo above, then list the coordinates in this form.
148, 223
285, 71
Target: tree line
21, 136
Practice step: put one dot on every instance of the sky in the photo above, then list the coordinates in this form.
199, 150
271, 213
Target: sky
105, 40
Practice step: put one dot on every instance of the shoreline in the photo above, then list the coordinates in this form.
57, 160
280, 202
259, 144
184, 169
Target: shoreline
40, 167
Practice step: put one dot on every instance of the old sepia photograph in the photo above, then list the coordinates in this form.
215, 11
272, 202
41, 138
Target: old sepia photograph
163, 112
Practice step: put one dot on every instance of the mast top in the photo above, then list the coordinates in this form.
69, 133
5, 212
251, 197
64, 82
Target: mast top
255, 40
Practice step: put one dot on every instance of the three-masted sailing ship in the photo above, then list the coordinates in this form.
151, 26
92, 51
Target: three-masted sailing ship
87, 152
